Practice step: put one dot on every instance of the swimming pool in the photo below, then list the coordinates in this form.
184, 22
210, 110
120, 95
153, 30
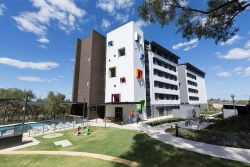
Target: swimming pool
27, 126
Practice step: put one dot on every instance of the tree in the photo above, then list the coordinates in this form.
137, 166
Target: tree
11, 103
56, 105
216, 21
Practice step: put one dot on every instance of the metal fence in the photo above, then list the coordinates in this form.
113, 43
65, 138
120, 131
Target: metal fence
38, 128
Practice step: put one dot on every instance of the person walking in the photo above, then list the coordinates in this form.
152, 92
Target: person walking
137, 117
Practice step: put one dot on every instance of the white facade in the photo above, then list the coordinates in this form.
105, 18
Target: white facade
164, 85
135, 75
133, 90
192, 89
154, 78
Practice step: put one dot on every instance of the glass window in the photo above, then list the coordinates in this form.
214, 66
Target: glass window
112, 72
122, 52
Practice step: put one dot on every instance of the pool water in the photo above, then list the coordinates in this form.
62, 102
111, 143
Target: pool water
18, 127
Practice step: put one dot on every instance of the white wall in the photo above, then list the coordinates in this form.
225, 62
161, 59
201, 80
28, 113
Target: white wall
132, 90
126, 108
201, 87
183, 84
229, 113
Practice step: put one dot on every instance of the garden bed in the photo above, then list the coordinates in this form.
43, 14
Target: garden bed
164, 121
232, 139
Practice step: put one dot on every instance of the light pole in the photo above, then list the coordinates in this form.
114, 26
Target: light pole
233, 96
24, 111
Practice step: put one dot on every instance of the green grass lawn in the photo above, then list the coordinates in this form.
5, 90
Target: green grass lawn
52, 161
135, 146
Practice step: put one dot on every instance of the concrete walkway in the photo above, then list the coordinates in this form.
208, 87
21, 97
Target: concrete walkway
71, 153
237, 154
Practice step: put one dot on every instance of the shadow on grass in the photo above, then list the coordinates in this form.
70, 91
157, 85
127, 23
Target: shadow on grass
152, 153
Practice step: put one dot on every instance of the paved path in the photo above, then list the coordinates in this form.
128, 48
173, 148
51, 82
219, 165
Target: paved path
71, 153
237, 154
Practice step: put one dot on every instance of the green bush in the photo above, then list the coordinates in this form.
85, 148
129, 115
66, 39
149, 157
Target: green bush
232, 124
164, 121
215, 137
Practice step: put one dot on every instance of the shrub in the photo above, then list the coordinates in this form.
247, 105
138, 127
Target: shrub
164, 121
215, 137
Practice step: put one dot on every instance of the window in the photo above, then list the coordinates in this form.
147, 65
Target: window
123, 80
122, 52
190, 90
164, 64
165, 85
165, 74
112, 72
142, 56
139, 73
192, 83
115, 98
138, 38
160, 96
161, 111
191, 76
110, 43
193, 98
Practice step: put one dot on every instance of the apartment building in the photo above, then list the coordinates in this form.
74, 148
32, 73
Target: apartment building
89, 76
192, 86
163, 95
123, 72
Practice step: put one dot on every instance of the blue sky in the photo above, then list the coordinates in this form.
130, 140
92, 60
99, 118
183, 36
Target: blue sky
37, 39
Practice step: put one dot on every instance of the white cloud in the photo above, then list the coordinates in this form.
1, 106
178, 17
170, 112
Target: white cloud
247, 44
142, 23
65, 12
120, 9
247, 71
183, 3
30, 79
105, 24
2, 9
232, 40
224, 74
122, 17
186, 45
43, 46
43, 40
112, 6
237, 69
38, 79
28, 65
236, 53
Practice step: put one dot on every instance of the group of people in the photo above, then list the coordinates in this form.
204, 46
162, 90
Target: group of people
85, 132
134, 116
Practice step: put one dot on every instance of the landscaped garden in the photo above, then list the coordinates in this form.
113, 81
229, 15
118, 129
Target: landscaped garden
208, 112
164, 121
233, 131
127, 144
